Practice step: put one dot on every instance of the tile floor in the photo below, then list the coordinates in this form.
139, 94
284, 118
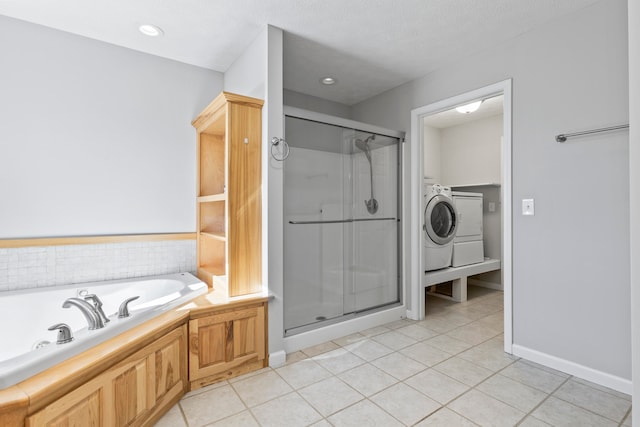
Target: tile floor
448, 370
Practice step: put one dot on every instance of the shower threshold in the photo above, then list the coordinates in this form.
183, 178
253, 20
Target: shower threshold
332, 321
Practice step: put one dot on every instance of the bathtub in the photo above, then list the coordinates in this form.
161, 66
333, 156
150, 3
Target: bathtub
28, 347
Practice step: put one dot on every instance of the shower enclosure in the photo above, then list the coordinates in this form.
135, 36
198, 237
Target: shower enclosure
342, 203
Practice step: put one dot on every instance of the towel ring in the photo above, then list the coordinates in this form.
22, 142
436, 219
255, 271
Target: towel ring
280, 154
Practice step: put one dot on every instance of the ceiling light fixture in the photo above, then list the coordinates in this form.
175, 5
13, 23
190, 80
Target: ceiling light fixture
328, 81
469, 108
150, 30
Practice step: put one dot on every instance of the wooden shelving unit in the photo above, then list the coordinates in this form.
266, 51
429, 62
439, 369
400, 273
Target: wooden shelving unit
229, 217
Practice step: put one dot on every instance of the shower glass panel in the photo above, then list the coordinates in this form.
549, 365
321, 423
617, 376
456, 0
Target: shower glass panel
341, 213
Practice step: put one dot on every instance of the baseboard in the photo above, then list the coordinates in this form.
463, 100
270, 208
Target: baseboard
484, 284
277, 359
602, 378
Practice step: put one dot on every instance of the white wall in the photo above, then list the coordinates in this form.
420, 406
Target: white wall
470, 152
634, 160
94, 138
258, 73
571, 263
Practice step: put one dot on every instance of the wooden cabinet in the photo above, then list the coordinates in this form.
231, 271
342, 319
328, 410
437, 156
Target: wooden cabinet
131, 393
227, 341
229, 206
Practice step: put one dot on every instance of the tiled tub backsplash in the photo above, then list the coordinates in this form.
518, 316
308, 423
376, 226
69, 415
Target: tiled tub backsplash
40, 266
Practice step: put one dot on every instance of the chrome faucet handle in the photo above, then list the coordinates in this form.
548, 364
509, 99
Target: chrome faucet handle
64, 333
123, 311
97, 304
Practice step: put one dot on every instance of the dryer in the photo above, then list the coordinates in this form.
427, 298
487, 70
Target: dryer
468, 245
440, 221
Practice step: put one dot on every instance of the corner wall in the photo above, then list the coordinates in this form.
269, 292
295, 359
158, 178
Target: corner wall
571, 263
258, 73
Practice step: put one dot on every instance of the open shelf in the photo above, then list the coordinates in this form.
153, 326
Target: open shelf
229, 210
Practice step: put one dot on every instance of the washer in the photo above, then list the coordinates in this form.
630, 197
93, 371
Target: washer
440, 222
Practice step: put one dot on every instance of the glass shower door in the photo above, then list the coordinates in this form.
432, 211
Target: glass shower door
341, 227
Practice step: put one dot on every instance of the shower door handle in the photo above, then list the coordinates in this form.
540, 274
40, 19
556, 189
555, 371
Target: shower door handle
341, 221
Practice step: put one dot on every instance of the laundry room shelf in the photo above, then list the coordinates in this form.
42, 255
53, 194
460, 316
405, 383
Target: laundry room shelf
482, 184
459, 277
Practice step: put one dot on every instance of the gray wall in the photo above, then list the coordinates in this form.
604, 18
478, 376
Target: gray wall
95, 138
313, 103
571, 260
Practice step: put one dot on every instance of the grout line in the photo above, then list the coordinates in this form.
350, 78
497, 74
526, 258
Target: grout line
626, 416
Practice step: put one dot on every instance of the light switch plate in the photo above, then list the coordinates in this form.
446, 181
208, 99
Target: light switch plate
528, 207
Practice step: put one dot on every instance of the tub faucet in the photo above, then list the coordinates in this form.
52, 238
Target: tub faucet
93, 318
97, 305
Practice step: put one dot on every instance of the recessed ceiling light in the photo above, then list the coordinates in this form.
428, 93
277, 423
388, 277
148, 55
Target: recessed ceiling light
469, 108
150, 30
328, 81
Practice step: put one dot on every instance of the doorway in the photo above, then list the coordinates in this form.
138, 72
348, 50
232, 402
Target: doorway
416, 307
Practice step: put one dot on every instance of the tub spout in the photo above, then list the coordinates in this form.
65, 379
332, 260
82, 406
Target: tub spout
93, 318
97, 306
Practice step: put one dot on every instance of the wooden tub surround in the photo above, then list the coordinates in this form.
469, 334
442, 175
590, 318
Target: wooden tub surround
134, 378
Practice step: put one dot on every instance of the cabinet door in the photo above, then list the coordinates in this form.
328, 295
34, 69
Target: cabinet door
128, 393
220, 344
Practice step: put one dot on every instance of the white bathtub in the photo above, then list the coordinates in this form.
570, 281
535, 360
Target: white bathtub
25, 317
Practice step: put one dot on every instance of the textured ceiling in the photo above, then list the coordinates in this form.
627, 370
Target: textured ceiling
370, 46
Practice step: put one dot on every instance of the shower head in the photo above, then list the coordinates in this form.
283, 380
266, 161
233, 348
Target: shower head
364, 146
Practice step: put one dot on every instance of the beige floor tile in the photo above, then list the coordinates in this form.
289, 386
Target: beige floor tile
374, 331
417, 332
320, 348
394, 339
303, 373
594, 400
338, 361
628, 421
473, 333
489, 354
363, 414
321, 423
261, 388
243, 419
349, 339
513, 393
405, 403
437, 386
213, 405
463, 371
449, 344
533, 376
289, 410
560, 413
445, 418
533, 422
367, 379
330, 396
295, 357
205, 389
602, 388
369, 349
399, 366
173, 418
545, 368
426, 354
445, 322
400, 323
247, 375
485, 410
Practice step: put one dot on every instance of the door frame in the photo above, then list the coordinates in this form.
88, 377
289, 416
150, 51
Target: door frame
416, 307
